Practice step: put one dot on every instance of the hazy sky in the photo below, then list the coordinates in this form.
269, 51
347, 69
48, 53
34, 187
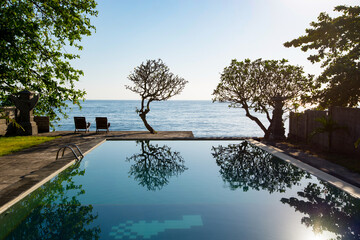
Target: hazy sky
195, 38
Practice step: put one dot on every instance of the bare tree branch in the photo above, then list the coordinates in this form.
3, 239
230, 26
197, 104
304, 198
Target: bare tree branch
153, 81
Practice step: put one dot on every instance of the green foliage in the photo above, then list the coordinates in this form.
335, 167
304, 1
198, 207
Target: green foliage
357, 143
10, 120
252, 85
33, 37
245, 167
326, 208
153, 81
155, 165
53, 211
328, 125
337, 42
13, 144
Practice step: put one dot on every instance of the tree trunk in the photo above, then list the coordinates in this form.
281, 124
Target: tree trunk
148, 127
258, 122
277, 130
267, 133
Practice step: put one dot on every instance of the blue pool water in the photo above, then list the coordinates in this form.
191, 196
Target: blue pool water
183, 190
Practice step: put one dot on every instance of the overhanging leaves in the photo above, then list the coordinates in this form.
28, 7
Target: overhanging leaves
33, 38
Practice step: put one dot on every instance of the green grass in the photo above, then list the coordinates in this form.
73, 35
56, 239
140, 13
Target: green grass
13, 144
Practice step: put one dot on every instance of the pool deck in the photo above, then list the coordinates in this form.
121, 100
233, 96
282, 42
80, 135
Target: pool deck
26, 170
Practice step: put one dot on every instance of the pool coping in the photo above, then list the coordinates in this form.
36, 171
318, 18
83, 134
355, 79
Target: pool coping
343, 185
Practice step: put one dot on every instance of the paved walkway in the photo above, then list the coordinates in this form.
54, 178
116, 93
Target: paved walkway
319, 163
24, 170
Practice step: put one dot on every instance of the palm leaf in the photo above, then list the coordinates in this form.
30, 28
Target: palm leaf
12, 121
357, 143
328, 125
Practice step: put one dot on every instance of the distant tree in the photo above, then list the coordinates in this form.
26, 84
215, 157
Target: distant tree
33, 37
154, 82
337, 42
252, 85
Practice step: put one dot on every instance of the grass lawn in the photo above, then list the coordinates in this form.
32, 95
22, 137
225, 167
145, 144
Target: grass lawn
13, 144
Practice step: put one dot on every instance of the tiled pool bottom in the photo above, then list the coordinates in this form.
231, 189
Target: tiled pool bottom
183, 190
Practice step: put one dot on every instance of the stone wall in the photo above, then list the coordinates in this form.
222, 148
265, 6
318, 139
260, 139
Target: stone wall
42, 123
6, 128
301, 125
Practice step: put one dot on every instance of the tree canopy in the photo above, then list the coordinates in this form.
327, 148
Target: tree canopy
336, 41
55, 202
253, 85
153, 81
327, 208
155, 165
243, 166
33, 37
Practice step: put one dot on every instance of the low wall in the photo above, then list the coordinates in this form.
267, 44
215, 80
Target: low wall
43, 124
301, 125
6, 128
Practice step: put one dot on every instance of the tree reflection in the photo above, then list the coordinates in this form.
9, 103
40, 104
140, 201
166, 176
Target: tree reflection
244, 166
155, 165
51, 212
328, 209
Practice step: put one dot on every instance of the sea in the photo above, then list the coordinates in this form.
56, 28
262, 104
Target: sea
203, 118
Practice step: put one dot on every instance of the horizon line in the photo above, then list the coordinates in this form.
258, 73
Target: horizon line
154, 101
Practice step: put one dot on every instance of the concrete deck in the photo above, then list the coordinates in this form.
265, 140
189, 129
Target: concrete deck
24, 171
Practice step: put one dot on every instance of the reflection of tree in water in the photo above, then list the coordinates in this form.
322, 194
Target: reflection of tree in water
328, 209
244, 166
48, 213
155, 165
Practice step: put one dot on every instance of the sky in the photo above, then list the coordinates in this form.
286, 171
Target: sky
196, 39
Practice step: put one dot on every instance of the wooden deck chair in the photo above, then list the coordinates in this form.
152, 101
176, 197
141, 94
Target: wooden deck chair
102, 123
81, 124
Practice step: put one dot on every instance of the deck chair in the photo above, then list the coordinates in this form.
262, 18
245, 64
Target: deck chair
102, 123
81, 124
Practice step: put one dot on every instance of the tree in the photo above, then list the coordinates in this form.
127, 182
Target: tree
3, 115
155, 165
154, 82
53, 211
327, 208
243, 166
328, 125
253, 85
33, 37
337, 42
357, 143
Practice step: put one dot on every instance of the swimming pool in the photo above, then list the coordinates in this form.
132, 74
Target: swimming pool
183, 190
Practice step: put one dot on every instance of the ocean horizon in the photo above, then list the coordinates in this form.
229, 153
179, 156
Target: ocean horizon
203, 117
